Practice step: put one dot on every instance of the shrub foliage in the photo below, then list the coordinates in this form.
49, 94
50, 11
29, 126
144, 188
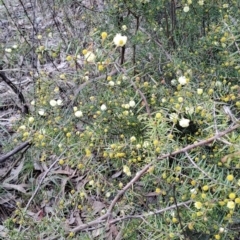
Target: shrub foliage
132, 128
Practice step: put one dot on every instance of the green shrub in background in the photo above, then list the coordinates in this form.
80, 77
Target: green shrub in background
146, 79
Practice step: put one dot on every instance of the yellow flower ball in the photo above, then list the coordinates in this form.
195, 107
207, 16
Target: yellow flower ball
174, 220
230, 177
232, 195
100, 67
158, 115
104, 35
158, 190
84, 51
120, 40
61, 161
68, 134
190, 226
198, 205
69, 58
205, 188
237, 200
231, 205
109, 78
217, 236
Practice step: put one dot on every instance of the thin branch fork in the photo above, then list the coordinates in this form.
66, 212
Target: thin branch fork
139, 174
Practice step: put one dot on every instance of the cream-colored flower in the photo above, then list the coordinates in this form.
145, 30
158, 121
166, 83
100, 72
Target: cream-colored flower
182, 80
173, 117
91, 182
198, 205
78, 114
221, 230
199, 91
133, 139
103, 107
41, 112
132, 103
184, 122
186, 8
53, 103
180, 99
90, 57
145, 144
59, 102
31, 120
189, 110
174, 82
22, 127
193, 191
230, 205
124, 27
119, 40
86, 78
8, 50
201, 2
111, 83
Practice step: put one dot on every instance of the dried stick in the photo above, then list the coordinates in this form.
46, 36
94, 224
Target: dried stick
142, 96
17, 149
196, 166
16, 90
152, 213
43, 177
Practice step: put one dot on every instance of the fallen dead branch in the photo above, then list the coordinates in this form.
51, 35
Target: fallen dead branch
17, 149
25, 108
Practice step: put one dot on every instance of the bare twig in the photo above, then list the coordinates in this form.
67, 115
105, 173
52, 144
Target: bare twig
4, 157
41, 180
14, 163
178, 212
196, 166
142, 96
152, 213
103, 218
15, 24
16, 90
138, 91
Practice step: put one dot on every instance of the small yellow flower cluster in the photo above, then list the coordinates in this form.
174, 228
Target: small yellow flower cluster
104, 35
126, 170
88, 153
158, 190
230, 177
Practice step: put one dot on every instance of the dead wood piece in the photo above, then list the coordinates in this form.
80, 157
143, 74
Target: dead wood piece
4, 157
